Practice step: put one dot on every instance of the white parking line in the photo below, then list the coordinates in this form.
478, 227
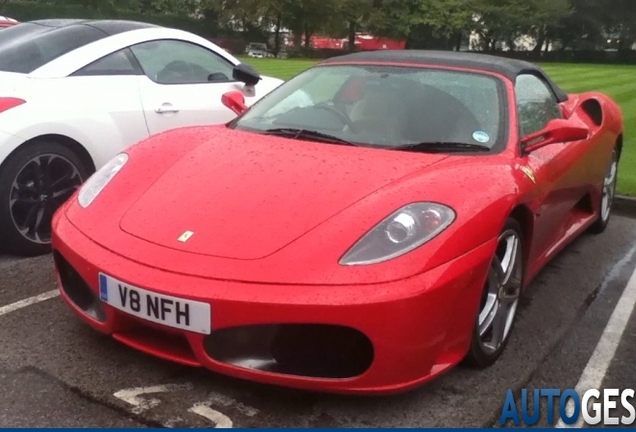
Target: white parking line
132, 395
28, 302
601, 359
220, 420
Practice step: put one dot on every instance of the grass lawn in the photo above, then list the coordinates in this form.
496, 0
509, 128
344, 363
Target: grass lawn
619, 83
616, 81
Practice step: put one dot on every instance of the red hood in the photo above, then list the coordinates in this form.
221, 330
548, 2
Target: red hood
245, 196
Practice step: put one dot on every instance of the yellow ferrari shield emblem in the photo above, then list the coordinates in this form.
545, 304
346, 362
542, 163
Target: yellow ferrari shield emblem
527, 171
185, 236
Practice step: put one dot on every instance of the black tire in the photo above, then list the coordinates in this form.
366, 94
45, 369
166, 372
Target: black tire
600, 224
41, 200
478, 356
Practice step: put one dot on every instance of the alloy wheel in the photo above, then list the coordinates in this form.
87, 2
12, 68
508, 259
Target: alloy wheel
41, 186
609, 187
501, 296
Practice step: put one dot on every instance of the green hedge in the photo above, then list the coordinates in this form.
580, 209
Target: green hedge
29, 11
590, 57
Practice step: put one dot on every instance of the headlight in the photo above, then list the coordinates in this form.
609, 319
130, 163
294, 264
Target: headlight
406, 229
98, 181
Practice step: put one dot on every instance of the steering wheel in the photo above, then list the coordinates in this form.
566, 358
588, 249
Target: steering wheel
345, 119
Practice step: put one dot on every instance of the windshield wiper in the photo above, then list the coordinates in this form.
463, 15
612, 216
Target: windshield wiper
444, 146
308, 134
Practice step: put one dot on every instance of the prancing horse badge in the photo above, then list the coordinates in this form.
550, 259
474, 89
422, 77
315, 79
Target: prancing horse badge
185, 236
527, 171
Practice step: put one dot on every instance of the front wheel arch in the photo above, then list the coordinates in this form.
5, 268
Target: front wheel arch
72, 145
477, 356
524, 216
13, 241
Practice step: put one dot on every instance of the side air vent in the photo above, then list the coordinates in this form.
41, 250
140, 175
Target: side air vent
593, 108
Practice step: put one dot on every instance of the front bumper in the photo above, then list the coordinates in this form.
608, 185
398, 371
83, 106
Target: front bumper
370, 339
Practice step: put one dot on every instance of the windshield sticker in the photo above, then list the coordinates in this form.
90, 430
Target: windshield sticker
481, 136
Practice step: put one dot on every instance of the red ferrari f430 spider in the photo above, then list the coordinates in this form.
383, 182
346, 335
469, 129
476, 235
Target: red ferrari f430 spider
364, 228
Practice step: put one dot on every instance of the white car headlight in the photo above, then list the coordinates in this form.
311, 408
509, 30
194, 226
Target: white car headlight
401, 232
98, 181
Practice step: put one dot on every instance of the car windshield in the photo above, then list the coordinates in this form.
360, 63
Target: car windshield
28, 46
258, 46
384, 106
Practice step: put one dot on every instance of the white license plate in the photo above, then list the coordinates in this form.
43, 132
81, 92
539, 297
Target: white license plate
170, 311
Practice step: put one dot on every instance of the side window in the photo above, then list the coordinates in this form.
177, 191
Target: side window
536, 104
179, 62
117, 63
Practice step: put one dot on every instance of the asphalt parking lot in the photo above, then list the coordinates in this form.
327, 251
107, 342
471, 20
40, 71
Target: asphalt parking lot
55, 371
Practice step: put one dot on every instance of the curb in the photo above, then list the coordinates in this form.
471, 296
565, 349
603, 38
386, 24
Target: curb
625, 204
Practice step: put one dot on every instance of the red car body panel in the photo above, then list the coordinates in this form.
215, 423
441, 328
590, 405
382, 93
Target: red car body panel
258, 204
288, 265
231, 173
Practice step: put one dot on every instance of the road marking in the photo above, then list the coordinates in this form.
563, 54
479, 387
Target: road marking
140, 405
171, 423
220, 420
616, 270
597, 366
203, 409
28, 302
227, 401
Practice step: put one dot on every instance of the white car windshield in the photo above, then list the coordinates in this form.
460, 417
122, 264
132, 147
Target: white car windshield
386, 106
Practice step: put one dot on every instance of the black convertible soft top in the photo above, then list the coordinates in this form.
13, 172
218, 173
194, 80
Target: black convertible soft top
510, 68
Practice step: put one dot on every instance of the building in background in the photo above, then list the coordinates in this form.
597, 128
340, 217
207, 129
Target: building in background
364, 42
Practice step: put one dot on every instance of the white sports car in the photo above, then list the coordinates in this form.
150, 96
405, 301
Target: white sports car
74, 93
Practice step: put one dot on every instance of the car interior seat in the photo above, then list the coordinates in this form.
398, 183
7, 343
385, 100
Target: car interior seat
380, 110
435, 115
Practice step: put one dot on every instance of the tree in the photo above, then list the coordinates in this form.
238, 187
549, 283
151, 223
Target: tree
543, 19
307, 17
582, 28
248, 17
423, 23
619, 19
353, 13
500, 22
176, 7
3, 3
109, 6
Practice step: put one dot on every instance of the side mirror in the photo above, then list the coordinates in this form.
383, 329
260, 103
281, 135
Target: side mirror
235, 101
247, 74
556, 131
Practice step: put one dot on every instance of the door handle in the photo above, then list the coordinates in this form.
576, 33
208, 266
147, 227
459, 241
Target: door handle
166, 108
